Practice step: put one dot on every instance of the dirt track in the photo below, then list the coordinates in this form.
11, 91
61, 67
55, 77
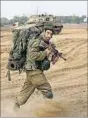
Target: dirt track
67, 78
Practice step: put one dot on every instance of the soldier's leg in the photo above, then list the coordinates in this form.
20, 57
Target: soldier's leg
26, 91
40, 82
44, 88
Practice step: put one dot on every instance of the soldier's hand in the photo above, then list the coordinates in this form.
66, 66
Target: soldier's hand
48, 52
55, 60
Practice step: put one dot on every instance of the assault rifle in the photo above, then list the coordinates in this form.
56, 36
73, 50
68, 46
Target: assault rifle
55, 54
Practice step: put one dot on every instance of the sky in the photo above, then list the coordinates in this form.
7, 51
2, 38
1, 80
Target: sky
59, 8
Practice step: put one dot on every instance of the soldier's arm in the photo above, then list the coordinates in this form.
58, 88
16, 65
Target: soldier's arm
35, 54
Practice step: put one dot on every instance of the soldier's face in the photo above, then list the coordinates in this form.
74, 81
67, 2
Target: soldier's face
48, 35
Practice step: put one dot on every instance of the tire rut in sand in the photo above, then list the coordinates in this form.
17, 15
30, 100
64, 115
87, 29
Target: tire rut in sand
72, 68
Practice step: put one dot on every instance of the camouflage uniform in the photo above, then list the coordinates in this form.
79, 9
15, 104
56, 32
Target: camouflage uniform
35, 78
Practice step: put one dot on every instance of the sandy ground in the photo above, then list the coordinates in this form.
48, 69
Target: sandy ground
67, 78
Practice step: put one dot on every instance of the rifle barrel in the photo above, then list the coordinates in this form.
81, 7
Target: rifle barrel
63, 58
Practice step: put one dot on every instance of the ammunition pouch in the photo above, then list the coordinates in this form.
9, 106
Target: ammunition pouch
43, 65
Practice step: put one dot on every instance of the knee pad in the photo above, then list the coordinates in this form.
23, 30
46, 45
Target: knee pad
49, 94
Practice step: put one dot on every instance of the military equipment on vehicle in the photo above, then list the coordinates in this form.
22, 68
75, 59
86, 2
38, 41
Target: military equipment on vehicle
43, 20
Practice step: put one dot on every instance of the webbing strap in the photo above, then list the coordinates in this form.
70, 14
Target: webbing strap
8, 75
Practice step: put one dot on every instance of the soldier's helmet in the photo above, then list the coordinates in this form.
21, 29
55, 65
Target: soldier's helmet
49, 27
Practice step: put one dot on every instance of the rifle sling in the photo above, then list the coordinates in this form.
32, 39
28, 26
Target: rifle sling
8, 74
